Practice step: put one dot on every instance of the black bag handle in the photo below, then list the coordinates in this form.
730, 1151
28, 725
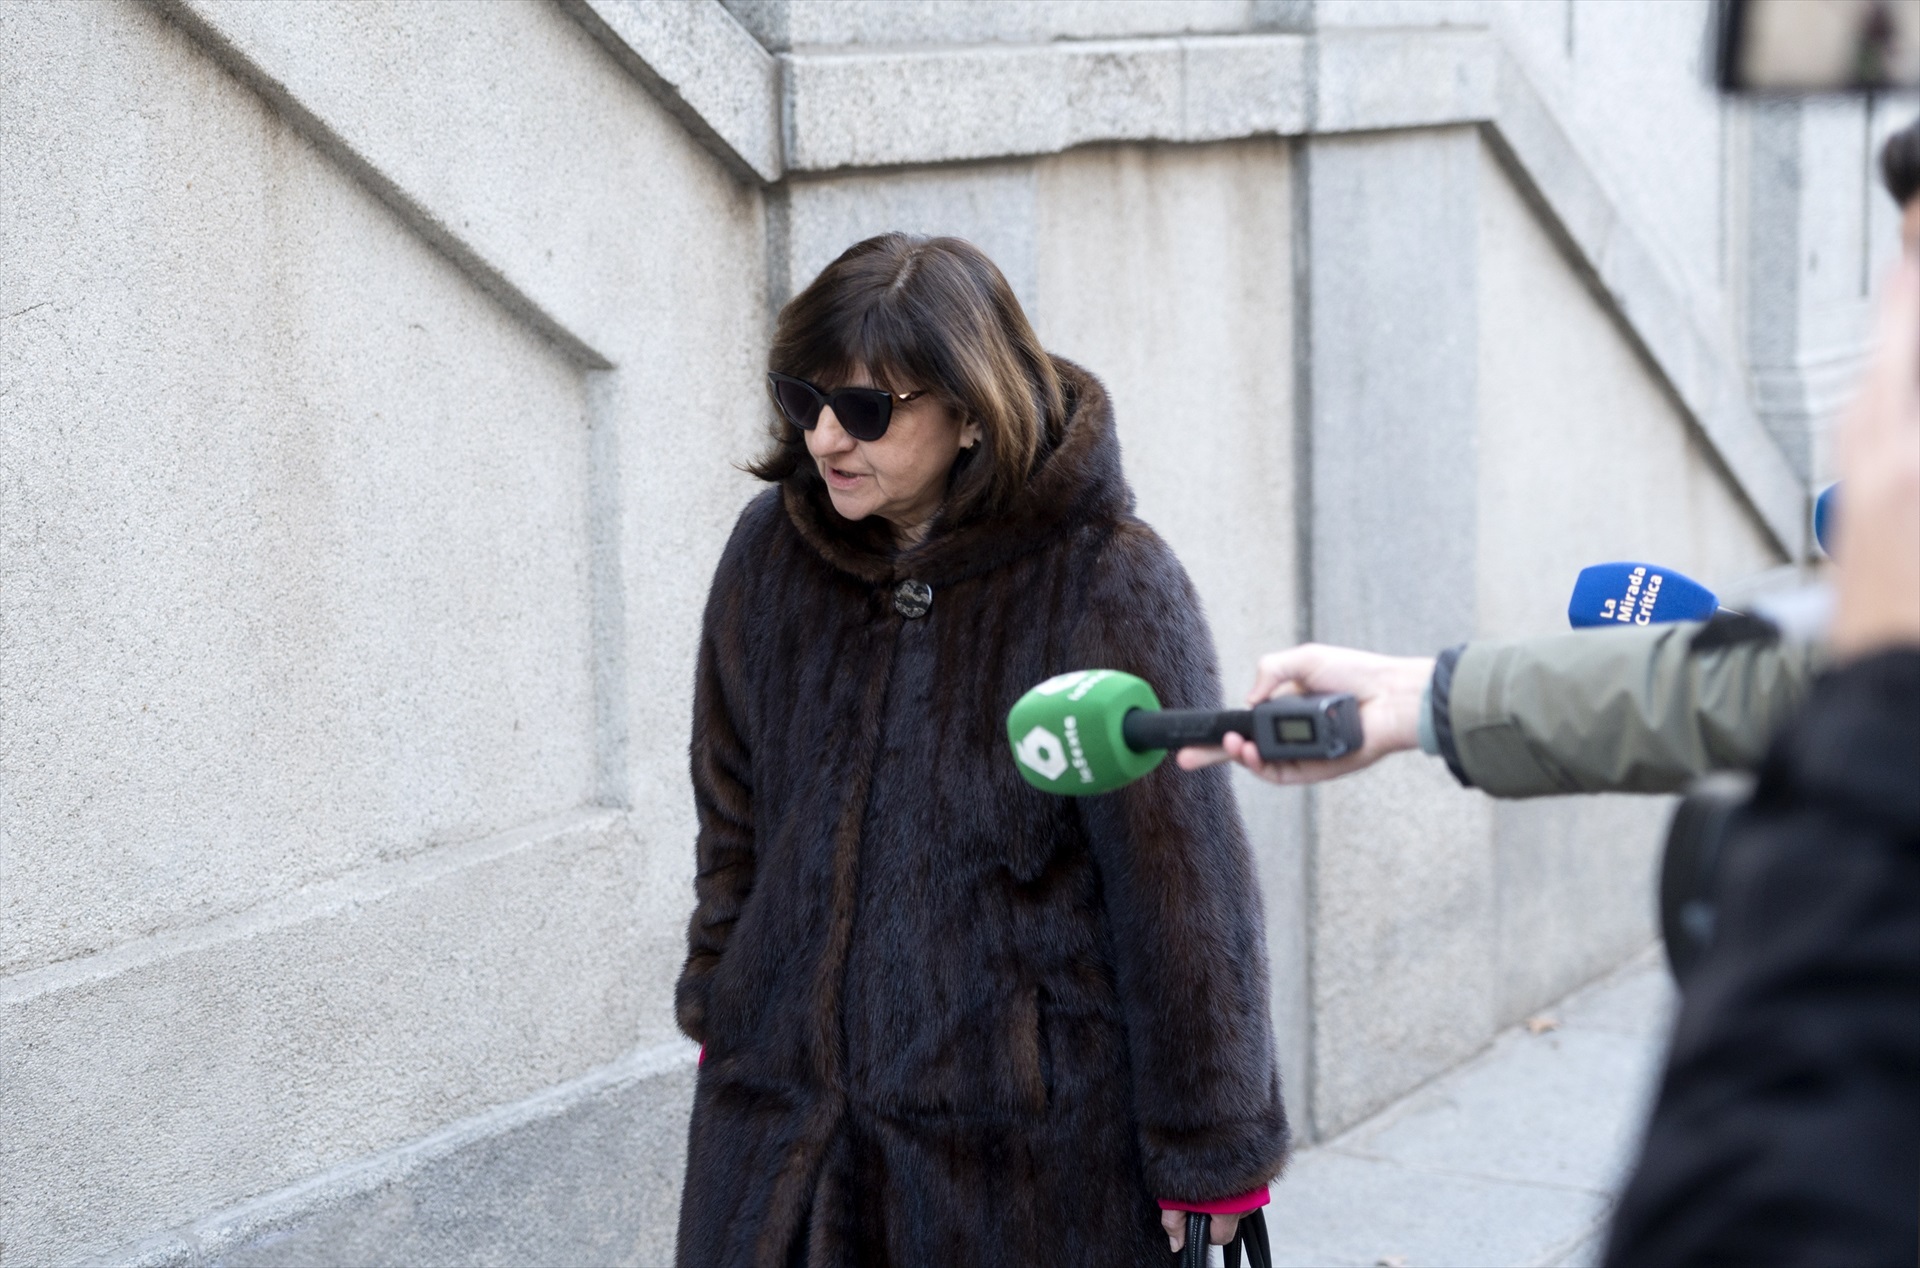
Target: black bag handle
1251, 1236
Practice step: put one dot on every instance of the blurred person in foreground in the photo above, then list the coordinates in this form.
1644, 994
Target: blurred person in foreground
947, 1018
1633, 709
1787, 1130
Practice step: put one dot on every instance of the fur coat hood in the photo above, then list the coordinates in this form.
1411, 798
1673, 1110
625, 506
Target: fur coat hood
950, 1018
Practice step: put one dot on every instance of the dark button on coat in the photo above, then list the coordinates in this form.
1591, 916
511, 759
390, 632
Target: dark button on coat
950, 1019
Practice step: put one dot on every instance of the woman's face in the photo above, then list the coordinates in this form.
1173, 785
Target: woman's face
900, 477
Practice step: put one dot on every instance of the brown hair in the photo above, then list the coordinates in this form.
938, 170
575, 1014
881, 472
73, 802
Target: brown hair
1900, 163
933, 315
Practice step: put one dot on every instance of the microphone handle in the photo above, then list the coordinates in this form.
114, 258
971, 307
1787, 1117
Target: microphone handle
1145, 729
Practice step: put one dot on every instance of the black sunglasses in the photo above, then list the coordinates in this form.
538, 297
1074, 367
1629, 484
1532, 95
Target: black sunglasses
864, 412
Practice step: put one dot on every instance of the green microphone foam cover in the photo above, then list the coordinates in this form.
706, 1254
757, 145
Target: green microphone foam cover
1066, 732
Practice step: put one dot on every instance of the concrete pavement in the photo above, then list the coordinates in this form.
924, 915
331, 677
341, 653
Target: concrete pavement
1514, 1158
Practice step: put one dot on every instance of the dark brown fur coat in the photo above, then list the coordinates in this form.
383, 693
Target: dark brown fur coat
950, 1019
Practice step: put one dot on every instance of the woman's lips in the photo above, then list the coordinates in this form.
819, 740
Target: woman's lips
838, 479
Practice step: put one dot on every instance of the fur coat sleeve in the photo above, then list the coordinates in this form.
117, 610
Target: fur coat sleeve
722, 791
1179, 885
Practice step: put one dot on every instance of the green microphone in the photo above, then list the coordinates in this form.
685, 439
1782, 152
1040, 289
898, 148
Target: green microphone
1094, 730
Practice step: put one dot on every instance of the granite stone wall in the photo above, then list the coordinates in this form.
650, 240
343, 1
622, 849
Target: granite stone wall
373, 380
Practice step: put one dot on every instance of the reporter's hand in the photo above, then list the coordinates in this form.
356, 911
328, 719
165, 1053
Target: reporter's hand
1219, 1232
1388, 689
1877, 551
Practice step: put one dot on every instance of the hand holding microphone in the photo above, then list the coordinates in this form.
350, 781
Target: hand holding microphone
1386, 689
1094, 730
1318, 712
1390, 689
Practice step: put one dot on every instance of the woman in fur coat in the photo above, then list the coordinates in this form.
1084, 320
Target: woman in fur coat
948, 1018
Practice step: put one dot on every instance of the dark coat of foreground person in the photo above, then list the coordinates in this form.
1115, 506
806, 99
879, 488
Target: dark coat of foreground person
950, 1019
1788, 1126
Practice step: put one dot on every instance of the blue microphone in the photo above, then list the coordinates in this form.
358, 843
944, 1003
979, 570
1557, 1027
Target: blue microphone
1637, 594
1823, 509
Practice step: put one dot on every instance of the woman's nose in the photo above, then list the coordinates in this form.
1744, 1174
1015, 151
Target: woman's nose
827, 435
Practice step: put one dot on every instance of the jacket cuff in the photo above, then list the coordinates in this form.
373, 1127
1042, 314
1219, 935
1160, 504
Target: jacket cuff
1437, 712
1239, 1204
1487, 748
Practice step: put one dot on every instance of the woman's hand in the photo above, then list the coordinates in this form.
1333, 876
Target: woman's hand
1219, 1233
1387, 687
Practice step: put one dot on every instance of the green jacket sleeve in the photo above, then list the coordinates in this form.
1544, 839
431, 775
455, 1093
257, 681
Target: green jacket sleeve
1628, 710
